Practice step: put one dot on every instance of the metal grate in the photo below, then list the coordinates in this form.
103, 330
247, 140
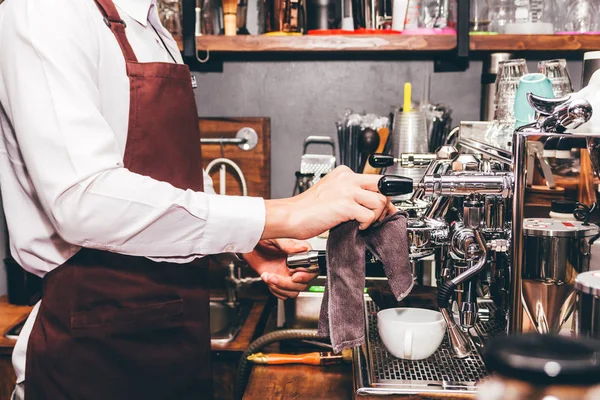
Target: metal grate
441, 369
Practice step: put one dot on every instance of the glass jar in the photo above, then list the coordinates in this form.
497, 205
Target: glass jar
500, 132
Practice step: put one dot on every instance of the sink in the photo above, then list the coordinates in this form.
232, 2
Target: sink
226, 320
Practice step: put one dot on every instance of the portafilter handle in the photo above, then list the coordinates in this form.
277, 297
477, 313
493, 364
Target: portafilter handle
393, 185
310, 261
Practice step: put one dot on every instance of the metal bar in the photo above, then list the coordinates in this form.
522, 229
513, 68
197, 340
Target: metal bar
462, 28
224, 141
188, 31
515, 323
492, 152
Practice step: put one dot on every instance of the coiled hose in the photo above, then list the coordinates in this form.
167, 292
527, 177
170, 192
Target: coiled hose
243, 370
583, 212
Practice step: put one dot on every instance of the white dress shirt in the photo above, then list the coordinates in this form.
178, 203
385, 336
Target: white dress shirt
64, 106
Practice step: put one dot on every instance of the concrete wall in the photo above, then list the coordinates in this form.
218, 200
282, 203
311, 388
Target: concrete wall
307, 97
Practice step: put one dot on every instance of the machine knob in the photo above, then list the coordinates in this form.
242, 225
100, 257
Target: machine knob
381, 160
392, 185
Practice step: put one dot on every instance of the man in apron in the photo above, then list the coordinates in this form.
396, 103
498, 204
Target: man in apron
103, 190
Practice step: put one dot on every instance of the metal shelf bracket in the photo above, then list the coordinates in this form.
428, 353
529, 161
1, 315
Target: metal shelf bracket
460, 60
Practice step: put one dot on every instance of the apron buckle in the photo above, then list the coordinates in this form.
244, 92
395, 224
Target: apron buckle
108, 22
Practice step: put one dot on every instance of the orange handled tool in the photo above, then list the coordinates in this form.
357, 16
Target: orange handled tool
316, 358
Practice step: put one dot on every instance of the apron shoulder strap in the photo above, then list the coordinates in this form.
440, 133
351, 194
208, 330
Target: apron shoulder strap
113, 20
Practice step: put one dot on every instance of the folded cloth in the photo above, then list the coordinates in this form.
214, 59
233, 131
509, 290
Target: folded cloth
342, 316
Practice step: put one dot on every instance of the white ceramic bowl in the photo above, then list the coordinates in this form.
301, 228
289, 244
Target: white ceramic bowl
411, 333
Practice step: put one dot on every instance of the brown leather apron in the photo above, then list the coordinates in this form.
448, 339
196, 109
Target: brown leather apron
116, 327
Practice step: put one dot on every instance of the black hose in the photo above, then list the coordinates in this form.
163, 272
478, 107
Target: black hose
444, 294
583, 212
243, 370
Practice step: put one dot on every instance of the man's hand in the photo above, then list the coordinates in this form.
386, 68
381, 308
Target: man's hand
338, 197
268, 259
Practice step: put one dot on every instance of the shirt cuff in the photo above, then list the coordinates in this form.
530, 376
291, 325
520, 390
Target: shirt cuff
234, 224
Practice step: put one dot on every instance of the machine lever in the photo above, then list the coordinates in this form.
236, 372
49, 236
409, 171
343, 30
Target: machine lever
392, 185
378, 160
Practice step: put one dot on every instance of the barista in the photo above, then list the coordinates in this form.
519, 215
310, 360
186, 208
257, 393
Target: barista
105, 198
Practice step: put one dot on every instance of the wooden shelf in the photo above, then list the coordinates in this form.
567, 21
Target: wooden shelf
535, 42
317, 43
408, 43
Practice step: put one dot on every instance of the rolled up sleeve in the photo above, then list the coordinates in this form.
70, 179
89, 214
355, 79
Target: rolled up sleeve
74, 161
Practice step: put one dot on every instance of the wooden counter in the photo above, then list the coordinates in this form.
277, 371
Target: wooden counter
299, 382
10, 315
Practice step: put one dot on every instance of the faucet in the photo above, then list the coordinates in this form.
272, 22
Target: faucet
233, 280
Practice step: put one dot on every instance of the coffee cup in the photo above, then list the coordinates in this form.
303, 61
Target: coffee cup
411, 333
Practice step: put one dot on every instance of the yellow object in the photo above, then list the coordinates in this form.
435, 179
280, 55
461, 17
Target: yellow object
278, 33
407, 97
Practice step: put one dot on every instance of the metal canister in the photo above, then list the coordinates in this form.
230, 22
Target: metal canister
555, 253
587, 285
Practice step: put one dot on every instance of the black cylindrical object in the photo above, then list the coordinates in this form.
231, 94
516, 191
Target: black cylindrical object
322, 14
392, 185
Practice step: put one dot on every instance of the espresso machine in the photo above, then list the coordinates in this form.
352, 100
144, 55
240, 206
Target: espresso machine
496, 271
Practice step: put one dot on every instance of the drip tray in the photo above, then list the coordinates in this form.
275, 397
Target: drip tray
377, 372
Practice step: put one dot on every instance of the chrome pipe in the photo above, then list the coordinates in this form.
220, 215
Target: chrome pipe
468, 184
474, 270
515, 323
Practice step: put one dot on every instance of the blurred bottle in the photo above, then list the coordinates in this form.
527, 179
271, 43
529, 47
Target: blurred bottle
480, 15
169, 13
533, 17
502, 12
212, 17
438, 14
581, 16
413, 15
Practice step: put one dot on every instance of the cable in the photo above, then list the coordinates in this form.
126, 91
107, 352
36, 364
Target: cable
238, 170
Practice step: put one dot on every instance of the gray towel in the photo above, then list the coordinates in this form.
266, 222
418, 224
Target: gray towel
342, 316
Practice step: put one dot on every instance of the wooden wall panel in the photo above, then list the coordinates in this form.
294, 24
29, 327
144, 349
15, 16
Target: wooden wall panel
255, 163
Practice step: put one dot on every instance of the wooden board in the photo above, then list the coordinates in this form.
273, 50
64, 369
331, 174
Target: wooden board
535, 42
326, 43
255, 163
408, 43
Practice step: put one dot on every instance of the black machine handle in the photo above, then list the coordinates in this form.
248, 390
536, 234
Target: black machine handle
393, 185
378, 160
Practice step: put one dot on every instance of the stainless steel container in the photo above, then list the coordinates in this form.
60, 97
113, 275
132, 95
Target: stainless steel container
555, 253
587, 285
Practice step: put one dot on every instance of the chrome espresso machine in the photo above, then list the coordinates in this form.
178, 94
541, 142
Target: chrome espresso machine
496, 270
